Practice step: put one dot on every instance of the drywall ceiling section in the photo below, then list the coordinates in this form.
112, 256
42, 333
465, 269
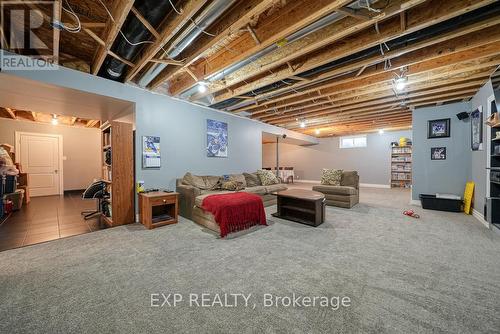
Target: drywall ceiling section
24, 94
271, 138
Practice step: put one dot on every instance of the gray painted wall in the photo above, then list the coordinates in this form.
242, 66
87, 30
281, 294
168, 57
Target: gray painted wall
81, 147
478, 158
371, 162
443, 176
180, 125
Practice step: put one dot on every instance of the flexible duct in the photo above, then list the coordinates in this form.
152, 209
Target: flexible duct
201, 22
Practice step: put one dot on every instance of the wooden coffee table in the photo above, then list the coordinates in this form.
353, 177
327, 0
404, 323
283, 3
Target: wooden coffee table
301, 206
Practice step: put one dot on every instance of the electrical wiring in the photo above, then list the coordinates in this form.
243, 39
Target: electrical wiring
175, 9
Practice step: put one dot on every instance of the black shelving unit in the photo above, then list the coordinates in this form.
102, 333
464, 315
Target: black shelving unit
493, 202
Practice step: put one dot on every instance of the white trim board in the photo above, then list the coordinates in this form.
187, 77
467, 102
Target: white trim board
479, 217
364, 185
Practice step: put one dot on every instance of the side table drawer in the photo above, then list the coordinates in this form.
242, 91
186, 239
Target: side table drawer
163, 200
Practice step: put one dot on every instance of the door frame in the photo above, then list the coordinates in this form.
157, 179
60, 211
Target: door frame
60, 158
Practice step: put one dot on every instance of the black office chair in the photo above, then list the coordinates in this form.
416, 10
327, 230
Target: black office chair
96, 190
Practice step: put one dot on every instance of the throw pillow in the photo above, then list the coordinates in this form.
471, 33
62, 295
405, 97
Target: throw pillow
238, 178
232, 185
331, 176
252, 179
267, 177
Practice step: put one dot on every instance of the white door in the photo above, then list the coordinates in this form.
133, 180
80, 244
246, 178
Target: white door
40, 156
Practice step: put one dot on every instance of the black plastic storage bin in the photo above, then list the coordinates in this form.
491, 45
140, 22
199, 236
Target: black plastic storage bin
10, 184
430, 202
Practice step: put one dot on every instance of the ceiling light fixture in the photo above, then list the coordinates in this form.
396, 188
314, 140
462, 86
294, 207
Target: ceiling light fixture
400, 84
381, 132
202, 87
54, 120
318, 131
303, 124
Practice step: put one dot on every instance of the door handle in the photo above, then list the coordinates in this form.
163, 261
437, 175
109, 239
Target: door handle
56, 171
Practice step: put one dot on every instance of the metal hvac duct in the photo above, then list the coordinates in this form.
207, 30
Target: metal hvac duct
154, 11
201, 22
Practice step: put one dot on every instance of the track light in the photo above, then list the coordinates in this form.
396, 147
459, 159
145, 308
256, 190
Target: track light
303, 124
317, 131
54, 120
400, 84
381, 132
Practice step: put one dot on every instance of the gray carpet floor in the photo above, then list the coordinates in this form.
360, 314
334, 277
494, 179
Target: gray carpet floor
438, 274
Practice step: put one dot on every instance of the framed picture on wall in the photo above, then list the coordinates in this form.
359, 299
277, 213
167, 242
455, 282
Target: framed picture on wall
476, 130
217, 139
438, 128
438, 153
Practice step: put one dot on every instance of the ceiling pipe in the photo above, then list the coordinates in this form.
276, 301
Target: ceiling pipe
435, 30
323, 22
135, 31
202, 21
319, 24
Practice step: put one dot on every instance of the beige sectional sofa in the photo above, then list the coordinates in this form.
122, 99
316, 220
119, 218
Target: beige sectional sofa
346, 195
191, 195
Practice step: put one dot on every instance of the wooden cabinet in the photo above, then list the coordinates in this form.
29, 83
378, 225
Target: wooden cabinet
158, 208
118, 171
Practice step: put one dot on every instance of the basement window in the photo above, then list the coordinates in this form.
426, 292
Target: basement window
353, 142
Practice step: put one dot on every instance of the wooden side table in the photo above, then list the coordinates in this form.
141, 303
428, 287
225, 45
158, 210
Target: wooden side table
158, 208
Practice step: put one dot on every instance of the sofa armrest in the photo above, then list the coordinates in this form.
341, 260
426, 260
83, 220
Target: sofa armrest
187, 196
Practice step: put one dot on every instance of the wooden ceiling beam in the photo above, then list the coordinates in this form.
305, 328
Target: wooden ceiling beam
378, 93
273, 62
435, 12
414, 73
294, 16
457, 41
373, 113
11, 112
381, 123
189, 9
145, 22
120, 11
389, 117
369, 96
57, 8
414, 65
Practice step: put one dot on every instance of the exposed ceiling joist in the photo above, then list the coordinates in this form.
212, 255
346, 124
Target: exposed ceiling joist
120, 11
188, 10
436, 11
295, 16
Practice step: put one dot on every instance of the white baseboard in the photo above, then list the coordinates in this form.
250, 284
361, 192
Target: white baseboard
415, 202
374, 185
479, 217
365, 185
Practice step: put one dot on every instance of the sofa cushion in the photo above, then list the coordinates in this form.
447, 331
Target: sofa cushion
202, 182
232, 185
252, 179
267, 177
275, 187
199, 199
349, 178
331, 176
239, 178
335, 190
258, 190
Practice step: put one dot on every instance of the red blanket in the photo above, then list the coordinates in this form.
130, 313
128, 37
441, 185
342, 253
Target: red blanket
236, 211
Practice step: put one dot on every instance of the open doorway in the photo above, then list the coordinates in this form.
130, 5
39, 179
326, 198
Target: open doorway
54, 157
277, 155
